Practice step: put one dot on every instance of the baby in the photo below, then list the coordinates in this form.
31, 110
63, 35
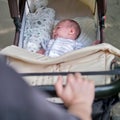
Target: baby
63, 39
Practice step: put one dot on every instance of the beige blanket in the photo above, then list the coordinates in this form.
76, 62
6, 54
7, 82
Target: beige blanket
93, 58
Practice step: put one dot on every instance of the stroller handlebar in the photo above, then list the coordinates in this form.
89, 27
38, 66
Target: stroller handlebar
107, 90
101, 91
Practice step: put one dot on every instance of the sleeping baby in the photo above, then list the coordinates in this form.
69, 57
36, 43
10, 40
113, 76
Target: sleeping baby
63, 39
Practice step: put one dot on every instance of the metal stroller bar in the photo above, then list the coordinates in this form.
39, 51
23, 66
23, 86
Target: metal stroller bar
111, 72
16, 14
102, 6
101, 91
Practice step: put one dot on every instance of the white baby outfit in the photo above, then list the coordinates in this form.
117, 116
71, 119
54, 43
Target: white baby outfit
61, 46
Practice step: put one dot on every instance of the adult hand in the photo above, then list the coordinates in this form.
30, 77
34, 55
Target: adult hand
78, 94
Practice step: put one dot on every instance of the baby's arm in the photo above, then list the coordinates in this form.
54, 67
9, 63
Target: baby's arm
78, 95
96, 42
46, 51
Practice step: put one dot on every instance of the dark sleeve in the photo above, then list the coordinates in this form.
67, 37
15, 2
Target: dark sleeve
18, 101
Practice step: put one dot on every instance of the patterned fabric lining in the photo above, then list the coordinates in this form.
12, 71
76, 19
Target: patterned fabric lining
38, 29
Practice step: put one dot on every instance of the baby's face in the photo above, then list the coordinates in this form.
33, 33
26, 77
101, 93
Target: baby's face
61, 30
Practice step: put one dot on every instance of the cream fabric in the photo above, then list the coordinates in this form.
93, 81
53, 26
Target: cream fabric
90, 4
72, 8
93, 58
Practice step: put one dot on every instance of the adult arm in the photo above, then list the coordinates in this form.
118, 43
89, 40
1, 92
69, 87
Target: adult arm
20, 101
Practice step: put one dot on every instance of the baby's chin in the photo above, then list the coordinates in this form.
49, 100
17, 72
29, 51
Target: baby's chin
54, 37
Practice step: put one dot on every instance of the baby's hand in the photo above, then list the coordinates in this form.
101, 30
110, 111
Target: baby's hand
41, 51
96, 42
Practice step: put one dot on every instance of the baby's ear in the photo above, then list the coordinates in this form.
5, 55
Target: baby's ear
72, 31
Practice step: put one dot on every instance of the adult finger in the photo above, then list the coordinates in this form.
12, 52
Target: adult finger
59, 86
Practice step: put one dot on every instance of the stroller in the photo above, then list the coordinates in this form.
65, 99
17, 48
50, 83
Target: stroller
83, 11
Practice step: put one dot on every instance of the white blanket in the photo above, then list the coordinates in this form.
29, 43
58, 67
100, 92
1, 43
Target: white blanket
93, 58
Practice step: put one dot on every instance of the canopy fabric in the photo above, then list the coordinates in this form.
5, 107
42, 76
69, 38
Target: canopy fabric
90, 4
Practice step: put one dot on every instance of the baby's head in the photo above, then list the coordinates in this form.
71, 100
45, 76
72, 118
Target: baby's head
68, 29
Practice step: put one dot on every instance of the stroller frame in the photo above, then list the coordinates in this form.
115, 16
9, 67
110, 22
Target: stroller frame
105, 94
